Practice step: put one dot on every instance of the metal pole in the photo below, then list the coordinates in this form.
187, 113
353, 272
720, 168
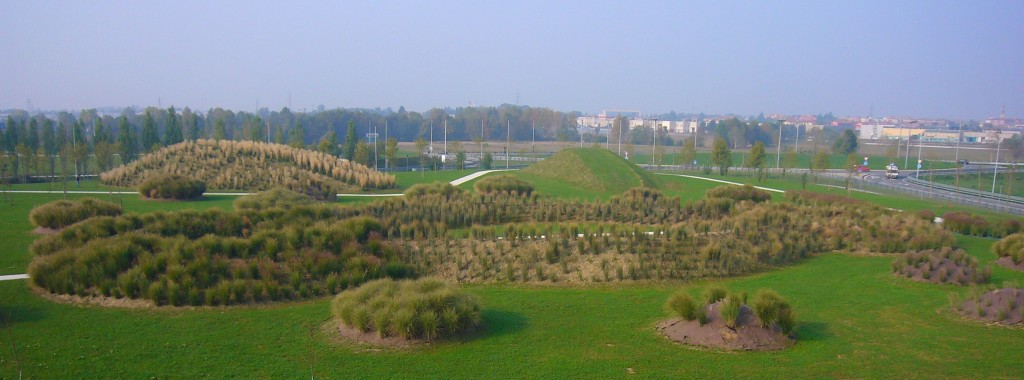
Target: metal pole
995, 168
956, 159
445, 141
508, 140
920, 140
620, 135
375, 158
899, 140
778, 151
906, 157
387, 162
654, 146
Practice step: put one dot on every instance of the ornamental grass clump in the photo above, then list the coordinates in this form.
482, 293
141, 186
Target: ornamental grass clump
276, 197
740, 193
683, 306
172, 186
427, 308
62, 213
729, 309
1011, 246
944, 266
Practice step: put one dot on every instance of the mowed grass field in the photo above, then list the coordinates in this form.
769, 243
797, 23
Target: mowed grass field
855, 320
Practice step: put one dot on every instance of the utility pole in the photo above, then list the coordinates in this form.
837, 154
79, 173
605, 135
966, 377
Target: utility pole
387, 161
445, 157
533, 138
481, 140
778, 153
375, 147
920, 140
430, 150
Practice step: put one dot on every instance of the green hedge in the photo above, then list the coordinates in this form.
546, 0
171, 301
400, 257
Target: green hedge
503, 184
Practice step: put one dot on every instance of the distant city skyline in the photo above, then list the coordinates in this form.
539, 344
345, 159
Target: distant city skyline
945, 59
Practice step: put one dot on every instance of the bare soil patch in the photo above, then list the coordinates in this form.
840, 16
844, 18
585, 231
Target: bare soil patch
1007, 262
371, 338
124, 303
1002, 306
747, 336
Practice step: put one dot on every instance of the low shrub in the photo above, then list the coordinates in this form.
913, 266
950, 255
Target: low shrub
172, 186
740, 193
683, 306
729, 309
928, 215
767, 306
427, 308
276, 197
810, 198
714, 294
503, 184
444, 189
1011, 246
62, 213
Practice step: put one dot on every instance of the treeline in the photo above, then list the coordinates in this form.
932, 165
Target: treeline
109, 140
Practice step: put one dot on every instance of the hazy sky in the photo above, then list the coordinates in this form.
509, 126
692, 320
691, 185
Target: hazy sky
916, 58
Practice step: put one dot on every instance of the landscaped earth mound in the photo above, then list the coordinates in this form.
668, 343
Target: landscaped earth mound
723, 320
251, 166
424, 309
941, 266
590, 168
1003, 306
1010, 251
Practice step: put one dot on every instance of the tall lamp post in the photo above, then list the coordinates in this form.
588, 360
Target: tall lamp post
956, 158
654, 147
906, 157
778, 151
920, 140
995, 168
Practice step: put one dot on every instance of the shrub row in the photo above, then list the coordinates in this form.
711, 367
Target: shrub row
740, 193
427, 308
503, 184
62, 213
213, 257
277, 197
172, 186
970, 224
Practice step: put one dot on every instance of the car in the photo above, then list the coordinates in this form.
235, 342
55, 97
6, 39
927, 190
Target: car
861, 168
964, 162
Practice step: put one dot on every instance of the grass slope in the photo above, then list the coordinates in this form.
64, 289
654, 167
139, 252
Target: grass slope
589, 170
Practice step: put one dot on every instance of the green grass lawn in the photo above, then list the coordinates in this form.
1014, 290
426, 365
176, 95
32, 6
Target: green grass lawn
1011, 183
803, 160
856, 320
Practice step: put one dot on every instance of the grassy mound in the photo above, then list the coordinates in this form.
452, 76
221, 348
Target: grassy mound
249, 165
413, 309
172, 186
62, 213
592, 168
1010, 250
1002, 306
941, 266
723, 319
740, 193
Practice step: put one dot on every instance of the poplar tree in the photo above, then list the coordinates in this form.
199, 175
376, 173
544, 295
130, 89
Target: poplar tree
128, 141
172, 133
218, 129
349, 150
297, 136
150, 139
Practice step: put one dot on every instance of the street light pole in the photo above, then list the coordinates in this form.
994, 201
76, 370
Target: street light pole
508, 140
995, 168
778, 151
654, 147
920, 140
906, 157
956, 159
619, 122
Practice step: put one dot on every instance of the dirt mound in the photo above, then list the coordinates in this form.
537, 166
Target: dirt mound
1007, 262
372, 338
748, 334
45, 231
1002, 306
942, 266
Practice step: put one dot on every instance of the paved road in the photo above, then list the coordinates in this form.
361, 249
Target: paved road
927, 190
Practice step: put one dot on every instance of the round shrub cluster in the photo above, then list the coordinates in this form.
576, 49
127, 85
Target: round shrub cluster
1011, 246
503, 184
172, 186
740, 193
427, 308
277, 197
62, 213
941, 266
769, 308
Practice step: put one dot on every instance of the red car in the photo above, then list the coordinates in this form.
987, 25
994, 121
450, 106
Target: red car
861, 168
